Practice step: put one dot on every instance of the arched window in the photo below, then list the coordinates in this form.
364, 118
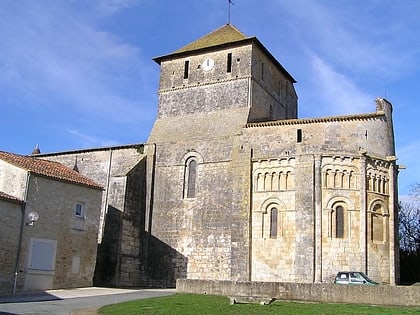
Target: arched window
339, 222
377, 224
272, 219
273, 222
329, 178
260, 182
190, 177
339, 217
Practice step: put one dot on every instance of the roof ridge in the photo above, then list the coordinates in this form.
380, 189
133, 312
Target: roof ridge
224, 34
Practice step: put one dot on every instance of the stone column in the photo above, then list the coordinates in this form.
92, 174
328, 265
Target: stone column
305, 224
150, 151
363, 214
393, 223
318, 219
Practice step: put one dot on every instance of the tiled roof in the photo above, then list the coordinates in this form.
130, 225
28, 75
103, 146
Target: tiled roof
223, 35
316, 120
10, 198
47, 168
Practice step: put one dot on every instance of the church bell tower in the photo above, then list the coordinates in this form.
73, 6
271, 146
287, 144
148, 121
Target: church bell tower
223, 72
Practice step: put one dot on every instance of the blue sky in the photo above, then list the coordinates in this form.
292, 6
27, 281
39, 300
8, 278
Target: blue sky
79, 74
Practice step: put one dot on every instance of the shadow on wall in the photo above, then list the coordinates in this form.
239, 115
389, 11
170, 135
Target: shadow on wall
107, 257
164, 264
409, 267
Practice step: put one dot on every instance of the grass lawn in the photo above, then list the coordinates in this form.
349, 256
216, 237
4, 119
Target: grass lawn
209, 304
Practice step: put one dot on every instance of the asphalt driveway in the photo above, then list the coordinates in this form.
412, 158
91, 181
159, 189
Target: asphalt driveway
73, 301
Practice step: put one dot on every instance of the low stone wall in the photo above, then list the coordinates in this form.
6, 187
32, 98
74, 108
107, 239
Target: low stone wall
263, 292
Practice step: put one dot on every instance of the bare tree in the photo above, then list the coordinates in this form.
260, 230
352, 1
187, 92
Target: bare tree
409, 227
409, 230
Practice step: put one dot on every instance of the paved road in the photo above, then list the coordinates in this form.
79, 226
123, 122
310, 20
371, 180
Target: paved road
73, 301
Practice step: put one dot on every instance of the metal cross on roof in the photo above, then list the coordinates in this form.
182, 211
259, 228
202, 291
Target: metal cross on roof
230, 2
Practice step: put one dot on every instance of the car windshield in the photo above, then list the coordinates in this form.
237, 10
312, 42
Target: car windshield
360, 276
364, 277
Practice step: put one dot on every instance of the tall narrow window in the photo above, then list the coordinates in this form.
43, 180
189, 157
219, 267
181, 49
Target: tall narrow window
229, 63
192, 175
299, 135
339, 222
273, 222
186, 69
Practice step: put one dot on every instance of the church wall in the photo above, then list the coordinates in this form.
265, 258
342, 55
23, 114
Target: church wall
173, 70
213, 125
341, 187
208, 230
378, 241
204, 91
226, 94
273, 95
131, 250
378, 218
273, 247
119, 170
339, 146
265, 106
95, 164
305, 243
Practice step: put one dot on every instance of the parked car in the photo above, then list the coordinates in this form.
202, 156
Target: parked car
353, 277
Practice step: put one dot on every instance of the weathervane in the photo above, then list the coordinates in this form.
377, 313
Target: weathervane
229, 3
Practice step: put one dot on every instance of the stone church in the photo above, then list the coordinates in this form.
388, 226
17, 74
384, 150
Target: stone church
232, 185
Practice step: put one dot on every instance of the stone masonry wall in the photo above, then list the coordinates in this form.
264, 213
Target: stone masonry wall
10, 221
198, 228
121, 172
339, 148
76, 238
273, 94
243, 292
103, 165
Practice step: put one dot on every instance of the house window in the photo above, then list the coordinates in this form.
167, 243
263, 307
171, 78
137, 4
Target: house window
273, 222
79, 210
339, 222
229, 63
186, 69
191, 176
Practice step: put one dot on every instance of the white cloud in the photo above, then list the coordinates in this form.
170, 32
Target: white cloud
362, 39
112, 6
339, 94
89, 141
53, 52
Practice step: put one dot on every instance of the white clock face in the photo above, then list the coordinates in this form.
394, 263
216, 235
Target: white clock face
208, 64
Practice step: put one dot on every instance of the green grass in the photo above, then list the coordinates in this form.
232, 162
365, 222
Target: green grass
209, 304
